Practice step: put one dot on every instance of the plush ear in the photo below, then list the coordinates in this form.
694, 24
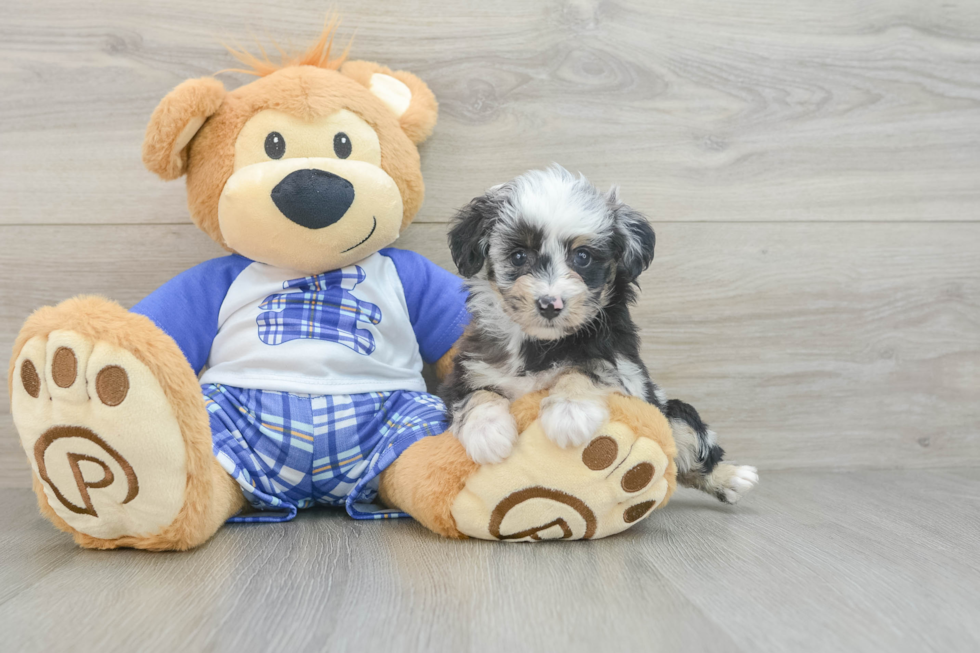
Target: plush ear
175, 121
403, 93
635, 235
469, 237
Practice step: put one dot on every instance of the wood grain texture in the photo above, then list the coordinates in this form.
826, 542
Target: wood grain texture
803, 345
789, 570
751, 111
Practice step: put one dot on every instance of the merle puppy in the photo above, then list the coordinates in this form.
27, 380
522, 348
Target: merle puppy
551, 264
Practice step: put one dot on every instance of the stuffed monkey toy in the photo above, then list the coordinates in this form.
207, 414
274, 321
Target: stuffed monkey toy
311, 335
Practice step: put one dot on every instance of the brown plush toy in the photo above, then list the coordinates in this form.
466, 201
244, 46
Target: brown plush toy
311, 337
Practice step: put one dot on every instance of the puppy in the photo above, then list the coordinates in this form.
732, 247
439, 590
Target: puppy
551, 264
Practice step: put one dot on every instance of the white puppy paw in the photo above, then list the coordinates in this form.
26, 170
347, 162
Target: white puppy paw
487, 432
735, 481
571, 423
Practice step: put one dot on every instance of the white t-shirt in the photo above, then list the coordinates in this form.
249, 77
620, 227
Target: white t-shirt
364, 328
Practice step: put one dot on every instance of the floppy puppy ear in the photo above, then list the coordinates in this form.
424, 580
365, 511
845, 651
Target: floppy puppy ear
469, 237
174, 123
403, 93
636, 236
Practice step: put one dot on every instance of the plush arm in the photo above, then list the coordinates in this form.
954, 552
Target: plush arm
436, 302
186, 307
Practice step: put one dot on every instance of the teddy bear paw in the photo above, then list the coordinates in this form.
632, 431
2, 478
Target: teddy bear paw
100, 435
543, 491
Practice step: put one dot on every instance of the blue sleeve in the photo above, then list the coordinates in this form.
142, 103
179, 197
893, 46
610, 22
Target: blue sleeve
186, 307
436, 302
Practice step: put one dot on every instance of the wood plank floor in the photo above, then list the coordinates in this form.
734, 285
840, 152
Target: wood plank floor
813, 561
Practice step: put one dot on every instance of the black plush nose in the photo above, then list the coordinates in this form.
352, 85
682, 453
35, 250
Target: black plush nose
550, 307
313, 198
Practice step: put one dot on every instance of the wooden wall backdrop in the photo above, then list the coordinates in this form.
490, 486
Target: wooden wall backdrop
812, 170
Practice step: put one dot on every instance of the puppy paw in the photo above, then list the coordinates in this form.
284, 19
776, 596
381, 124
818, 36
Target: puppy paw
488, 432
571, 423
734, 481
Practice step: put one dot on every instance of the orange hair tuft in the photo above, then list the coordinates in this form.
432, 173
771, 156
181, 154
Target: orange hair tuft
317, 54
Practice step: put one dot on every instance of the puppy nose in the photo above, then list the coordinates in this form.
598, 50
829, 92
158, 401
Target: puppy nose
313, 198
550, 307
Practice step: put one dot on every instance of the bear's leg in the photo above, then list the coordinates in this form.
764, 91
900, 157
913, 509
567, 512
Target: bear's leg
541, 491
426, 479
112, 419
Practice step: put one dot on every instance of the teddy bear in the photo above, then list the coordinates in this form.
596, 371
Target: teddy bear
288, 373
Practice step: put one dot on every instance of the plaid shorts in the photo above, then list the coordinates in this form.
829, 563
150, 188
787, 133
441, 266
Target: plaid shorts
291, 451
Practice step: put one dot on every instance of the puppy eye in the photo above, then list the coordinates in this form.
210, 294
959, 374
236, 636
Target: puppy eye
582, 257
341, 145
518, 258
275, 145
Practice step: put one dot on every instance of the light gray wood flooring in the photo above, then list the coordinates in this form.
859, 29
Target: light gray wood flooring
812, 561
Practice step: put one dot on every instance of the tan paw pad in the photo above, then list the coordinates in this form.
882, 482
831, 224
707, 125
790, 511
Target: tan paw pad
543, 491
30, 379
100, 434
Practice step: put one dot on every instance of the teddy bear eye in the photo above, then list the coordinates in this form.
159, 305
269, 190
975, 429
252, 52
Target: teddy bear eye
275, 145
341, 145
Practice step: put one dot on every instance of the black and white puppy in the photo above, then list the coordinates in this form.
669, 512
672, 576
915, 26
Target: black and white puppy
551, 264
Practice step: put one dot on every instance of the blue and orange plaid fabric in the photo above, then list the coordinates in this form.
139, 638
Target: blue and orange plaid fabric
321, 307
291, 451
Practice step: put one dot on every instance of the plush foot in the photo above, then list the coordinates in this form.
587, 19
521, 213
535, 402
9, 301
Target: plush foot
544, 491
101, 436
106, 435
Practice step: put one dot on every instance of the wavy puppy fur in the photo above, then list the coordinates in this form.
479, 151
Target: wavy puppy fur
552, 264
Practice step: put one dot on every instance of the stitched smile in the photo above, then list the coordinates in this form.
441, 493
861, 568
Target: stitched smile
373, 227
